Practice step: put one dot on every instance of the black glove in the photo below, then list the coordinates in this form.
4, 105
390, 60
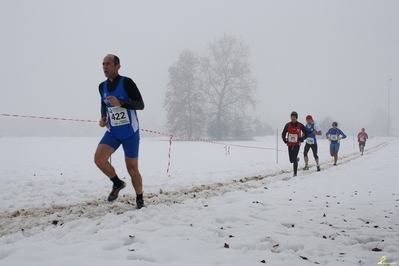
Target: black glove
285, 141
301, 139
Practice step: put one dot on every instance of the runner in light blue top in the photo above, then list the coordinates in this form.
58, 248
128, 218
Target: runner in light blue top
334, 135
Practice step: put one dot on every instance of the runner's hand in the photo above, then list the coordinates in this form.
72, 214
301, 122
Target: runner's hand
113, 101
103, 122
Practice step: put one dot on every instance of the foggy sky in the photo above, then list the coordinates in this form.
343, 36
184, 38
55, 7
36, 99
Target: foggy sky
324, 58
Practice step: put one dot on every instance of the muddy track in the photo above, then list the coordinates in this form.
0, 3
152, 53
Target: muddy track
56, 215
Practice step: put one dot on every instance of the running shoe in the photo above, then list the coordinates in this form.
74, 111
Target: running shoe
139, 203
115, 191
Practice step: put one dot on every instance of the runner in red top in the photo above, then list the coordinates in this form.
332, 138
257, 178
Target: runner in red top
293, 134
362, 138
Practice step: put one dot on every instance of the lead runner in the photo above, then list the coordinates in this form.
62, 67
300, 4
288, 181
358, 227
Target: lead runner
120, 98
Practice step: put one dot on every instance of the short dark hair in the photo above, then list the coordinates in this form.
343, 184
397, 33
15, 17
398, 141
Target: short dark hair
116, 60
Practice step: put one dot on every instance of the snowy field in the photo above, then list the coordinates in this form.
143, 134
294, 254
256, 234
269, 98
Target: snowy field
218, 205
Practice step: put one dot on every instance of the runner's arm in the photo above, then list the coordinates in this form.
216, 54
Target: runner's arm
103, 106
317, 130
136, 101
343, 134
305, 133
328, 133
284, 133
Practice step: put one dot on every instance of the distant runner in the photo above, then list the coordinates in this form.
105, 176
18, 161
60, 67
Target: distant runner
362, 138
311, 142
334, 135
292, 136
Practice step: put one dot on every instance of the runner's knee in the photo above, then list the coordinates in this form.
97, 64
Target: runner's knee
100, 159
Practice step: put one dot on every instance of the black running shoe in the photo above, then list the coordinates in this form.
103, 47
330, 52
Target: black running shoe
115, 191
318, 168
139, 203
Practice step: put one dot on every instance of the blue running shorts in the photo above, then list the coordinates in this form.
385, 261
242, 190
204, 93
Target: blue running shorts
334, 147
130, 145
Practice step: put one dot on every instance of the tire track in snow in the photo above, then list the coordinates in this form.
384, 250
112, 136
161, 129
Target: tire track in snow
39, 218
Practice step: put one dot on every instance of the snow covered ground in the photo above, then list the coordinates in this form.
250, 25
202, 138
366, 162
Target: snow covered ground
214, 207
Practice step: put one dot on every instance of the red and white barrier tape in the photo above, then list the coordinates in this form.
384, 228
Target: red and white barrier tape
50, 118
226, 146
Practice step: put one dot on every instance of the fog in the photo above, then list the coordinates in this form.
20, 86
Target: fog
324, 58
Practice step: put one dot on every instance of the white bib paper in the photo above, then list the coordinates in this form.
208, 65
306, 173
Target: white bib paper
334, 137
118, 116
292, 137
310, 141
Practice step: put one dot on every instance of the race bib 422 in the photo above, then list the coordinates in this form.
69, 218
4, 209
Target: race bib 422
118, 116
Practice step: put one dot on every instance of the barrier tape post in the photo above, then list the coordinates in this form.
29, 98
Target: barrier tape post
227, 150
170, 149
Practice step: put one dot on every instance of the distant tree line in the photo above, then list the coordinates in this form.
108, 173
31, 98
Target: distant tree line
210, 95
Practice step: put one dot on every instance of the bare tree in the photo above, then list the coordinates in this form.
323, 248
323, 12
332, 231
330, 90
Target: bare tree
228, 87
262, 129
184, 101
325, 124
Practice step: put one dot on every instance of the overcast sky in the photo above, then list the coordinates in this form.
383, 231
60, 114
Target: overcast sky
325, 58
